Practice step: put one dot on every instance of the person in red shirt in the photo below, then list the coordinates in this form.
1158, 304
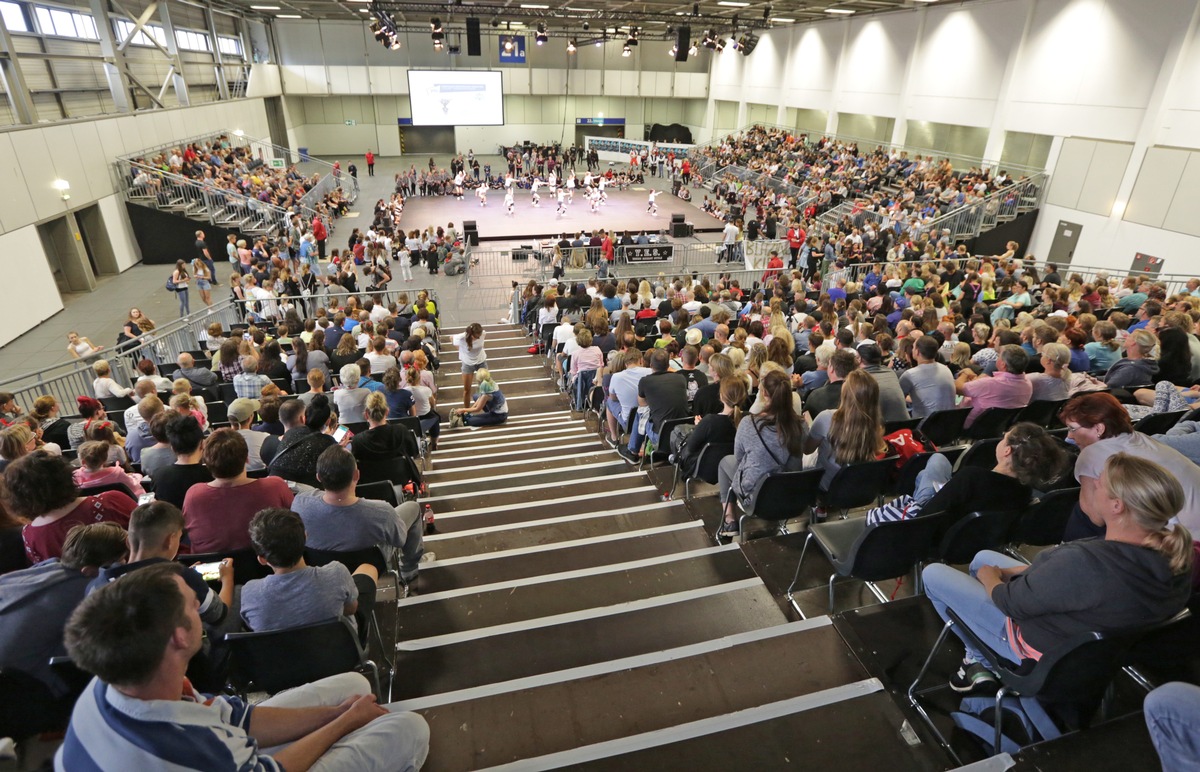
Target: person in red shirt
370, 164
685, 171
217, 514
40, 488
606, 248
774, 267
795, 239
320, 234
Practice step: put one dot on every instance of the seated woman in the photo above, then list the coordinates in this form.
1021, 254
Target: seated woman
1052, 383
711, 428
852, 433
490, 407
383, 440
1140, 573
16, 441
95, 470
54, 426
769, 442
424, 406
40, 488
1138, 367
1028, 460
104, 386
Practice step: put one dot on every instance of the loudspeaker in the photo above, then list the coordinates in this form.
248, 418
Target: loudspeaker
471, 233
677, 217
474, 46
683, 41
748, 43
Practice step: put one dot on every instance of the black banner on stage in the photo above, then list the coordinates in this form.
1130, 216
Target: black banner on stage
647, 253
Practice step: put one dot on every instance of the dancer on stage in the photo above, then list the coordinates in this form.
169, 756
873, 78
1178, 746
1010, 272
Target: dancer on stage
537, 200
508, 181
552, 181
594, 196
653, 207
562, 201
603, 183
571, 189
587, 180
508, 200
481, 194
458, 186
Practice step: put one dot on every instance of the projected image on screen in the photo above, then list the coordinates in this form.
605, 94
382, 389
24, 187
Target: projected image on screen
455, 98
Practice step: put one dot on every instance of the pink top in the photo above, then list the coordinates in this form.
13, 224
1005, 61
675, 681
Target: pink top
109, 475
218, 519
590, 358
1001, 390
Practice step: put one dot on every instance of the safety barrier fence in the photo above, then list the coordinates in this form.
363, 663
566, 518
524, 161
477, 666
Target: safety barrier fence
69, 380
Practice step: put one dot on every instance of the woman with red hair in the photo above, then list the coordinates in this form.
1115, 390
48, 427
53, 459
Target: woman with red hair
1101, 427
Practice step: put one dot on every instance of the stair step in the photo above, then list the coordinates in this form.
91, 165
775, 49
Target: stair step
555, 529
517, 600
588, 450
451, 393
432, 666
567, 506
552, 430
474, 570
526, 486
718, 675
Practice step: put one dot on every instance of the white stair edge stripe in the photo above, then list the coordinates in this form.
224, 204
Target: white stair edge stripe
997, 763
452, 385
525, 421
550, 521
530, 396
568, 456
494, 478
578, 573
611, 666
516, 440
530, 429
506, 359
519, 551
533, 504
487, 348
430, 500
449, 639
694, 729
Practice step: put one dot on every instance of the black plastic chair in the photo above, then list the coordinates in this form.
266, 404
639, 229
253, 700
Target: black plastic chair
1158, 423
663, 449
352, 559
96, 490
1042, 524
379, 491
872, 553
245, 563
394, 470
704, 469
908, 423
595, 406
905, 482
782, 497
858, 485
217, 412
357, 427
274, 660
992, 423
258, 474
226, 393
981, 454
116, 405
943, 427
971, 534
1043, 412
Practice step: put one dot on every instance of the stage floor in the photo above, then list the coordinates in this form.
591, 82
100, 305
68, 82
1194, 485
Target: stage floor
625, 210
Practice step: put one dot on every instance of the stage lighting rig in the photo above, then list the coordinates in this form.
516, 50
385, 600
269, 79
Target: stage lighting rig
571, 47
384, 28
541, 36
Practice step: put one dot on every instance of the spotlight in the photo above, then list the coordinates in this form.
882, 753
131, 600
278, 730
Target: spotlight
571, 48
626, 50
734, 44
695, 49
674, 50
383, 28
435, 24
508, 45
495, 21
587, 26
633, 39
541, 36
695, 9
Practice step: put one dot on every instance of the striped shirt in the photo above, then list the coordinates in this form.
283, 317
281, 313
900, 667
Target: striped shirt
112, 731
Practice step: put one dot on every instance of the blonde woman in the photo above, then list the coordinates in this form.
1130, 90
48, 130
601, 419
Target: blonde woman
490, 407
203, 279
853, 432
1053, 383
104, 386
1138, 574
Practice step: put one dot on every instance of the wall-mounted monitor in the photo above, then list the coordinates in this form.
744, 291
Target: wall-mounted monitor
456, 97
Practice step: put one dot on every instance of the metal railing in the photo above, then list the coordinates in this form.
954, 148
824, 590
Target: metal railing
69, 380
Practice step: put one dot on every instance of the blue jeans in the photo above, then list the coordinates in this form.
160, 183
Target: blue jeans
1002, 312
409, 513
948, 587
935, 474
185, 301
636, 437
1173, 718
485, 419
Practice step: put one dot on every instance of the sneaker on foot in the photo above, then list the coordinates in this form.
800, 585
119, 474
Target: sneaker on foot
728, 528
970, 676
624, 452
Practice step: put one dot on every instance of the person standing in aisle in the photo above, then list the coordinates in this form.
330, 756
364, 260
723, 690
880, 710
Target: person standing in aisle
471, 355
370, 163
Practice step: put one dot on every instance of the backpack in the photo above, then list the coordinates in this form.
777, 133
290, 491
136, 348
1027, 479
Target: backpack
904, 444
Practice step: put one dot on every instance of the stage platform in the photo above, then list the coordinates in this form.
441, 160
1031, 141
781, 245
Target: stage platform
625, 210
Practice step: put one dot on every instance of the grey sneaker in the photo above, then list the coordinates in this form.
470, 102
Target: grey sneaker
970, 676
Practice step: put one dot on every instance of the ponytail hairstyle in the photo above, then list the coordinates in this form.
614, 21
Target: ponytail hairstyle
376, 408
776, 386
734, 394
474, 333
1152, 496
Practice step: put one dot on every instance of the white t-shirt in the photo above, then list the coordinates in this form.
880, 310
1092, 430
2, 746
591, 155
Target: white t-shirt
380, 363
470, 355
1092, 459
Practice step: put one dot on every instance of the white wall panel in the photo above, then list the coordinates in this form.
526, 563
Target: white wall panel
878, 49
1104, 177
18, 202
1183, 214
315, 79
37, 169
339, 80
293, 79
1070, 170
120, 232
32, 296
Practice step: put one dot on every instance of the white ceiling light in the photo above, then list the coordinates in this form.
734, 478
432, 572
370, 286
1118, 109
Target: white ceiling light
265, 7
534, 6
782, 19
842, 11
287, 16
732, 4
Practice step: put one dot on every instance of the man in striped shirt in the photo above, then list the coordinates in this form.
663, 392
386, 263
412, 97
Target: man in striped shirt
140, 712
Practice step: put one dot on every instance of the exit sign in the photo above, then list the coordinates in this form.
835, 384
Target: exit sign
351, 122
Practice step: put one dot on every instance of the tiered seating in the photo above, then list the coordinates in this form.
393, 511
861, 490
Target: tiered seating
568, 597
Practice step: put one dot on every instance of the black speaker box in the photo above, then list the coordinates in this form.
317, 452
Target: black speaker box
677, 217
474, 46
683, 41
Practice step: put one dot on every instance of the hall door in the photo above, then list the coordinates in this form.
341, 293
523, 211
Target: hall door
1066, 240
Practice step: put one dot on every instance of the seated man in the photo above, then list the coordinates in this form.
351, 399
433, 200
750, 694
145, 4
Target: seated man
34, 606
249, 383
241, 417
296, 593
138, 635
1008, 387
199, 377
340, 521
662, 396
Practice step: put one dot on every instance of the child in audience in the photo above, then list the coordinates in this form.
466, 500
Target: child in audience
96, 470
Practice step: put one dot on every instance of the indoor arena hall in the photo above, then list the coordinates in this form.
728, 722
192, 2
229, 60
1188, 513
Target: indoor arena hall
397, 385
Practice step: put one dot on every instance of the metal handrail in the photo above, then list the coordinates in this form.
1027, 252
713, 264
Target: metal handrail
66, 381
